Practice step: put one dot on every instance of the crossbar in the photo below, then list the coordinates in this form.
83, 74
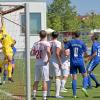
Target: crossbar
11, 10
9, 5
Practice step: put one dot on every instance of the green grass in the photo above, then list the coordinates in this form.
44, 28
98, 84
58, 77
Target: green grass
18, 87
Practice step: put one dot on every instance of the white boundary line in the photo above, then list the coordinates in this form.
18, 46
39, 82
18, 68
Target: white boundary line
10, 95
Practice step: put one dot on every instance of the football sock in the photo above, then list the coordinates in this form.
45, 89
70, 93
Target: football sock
63, 82
9, 70
5, 75
44, 95
94, 78
34, 93
85, 83
74, 85
49, 86
89, 81
58, 84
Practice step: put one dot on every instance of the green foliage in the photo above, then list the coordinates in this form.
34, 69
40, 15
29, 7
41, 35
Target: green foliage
62, 17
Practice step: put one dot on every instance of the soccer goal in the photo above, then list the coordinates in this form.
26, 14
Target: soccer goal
15, 18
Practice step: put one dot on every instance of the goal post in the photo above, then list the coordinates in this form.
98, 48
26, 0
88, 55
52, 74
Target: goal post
15, 8
27, 49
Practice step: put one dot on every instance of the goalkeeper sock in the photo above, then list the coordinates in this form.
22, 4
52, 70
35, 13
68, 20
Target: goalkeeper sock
9, 70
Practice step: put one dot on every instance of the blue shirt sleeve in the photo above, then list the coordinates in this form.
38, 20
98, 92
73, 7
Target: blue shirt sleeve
14, 50
94, 48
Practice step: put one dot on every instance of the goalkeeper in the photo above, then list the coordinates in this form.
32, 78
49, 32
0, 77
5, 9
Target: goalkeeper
7, 43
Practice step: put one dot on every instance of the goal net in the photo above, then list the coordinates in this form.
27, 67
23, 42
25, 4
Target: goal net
12, 17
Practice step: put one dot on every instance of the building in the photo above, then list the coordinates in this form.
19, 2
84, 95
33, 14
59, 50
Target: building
37, 9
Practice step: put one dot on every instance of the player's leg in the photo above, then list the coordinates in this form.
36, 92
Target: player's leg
45, 78
49, 82
58, 79
9, 57
82, 70
74, 84
5, 73
73, 72
1, 64
65, 73
13, 65
91, 66
37, 77
35, 87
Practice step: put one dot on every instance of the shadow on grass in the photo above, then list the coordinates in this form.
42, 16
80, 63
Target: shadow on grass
96, 97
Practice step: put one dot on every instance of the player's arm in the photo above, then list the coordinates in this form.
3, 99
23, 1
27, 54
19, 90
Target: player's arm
67, 52
58, 51
48, 54
33, 52
92, 56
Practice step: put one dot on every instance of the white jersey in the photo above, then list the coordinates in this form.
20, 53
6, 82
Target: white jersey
40, 51
54, 45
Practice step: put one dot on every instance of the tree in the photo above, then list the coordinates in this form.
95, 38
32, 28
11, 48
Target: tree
62, 17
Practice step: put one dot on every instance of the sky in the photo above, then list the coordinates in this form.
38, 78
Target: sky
85, 6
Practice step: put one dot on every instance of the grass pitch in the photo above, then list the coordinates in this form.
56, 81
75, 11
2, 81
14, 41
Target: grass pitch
10, 91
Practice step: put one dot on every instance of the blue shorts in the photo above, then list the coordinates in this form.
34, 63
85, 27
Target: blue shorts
13, 61
92, 64
74, 68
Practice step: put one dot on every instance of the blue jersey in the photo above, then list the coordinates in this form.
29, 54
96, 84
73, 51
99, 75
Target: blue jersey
96, 48
77, 48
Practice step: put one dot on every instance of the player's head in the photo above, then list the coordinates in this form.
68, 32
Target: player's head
76, 34
95, 36
42, 34
65, 40
54, 35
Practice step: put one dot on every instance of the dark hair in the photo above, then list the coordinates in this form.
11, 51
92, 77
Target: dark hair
96, 35
76, 34
54, 34
42, 34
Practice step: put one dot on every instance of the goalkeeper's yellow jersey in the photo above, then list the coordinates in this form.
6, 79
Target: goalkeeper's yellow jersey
5, 38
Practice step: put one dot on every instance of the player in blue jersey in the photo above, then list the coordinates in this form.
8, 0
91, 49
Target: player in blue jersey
77, 49
94, 59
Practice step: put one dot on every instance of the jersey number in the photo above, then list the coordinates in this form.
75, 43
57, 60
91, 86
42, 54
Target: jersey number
99, 52
39, 54
75, 52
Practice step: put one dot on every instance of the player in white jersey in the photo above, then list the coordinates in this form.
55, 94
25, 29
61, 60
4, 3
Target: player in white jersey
65, 66
41, 50
55, 63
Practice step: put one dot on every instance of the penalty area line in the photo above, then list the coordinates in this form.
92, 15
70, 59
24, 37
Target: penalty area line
10, 95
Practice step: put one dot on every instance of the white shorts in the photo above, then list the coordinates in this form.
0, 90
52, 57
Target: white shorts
65, 68
42, 72
54, 69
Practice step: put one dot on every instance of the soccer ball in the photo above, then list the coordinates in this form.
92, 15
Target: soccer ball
49, 30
